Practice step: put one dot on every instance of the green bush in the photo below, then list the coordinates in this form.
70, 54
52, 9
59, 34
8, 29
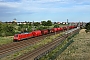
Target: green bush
87, 31
6, 29
42, 27
87, 26
56, 26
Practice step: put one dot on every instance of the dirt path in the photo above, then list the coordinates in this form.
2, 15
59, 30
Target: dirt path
79, 49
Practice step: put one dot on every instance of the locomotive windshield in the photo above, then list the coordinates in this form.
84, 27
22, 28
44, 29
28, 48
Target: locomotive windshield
16, 35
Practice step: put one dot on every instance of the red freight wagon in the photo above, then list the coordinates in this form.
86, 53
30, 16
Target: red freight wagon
61, 29
54, 30
44, 31
70, 27
22, 36
36, 33
64, 28
58, 29
73, 27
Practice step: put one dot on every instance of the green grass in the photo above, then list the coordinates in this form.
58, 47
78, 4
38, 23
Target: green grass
79, 50
59, 26
63, 25
30, 48
6, 40
52, 53
58, 50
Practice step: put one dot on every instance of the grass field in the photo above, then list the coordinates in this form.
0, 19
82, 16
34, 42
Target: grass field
30, 48
79, 49
6, 40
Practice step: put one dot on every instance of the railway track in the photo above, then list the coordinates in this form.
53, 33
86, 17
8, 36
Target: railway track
16, 46
48, 47
35, 53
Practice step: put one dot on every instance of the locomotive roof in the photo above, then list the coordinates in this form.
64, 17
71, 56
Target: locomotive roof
24, 33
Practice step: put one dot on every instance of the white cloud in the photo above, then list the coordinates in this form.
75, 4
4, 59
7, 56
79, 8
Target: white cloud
10, 4
47, 5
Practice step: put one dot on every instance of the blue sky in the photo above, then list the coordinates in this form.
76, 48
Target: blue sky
39, 10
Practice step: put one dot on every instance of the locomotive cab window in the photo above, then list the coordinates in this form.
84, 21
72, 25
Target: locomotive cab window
16, 35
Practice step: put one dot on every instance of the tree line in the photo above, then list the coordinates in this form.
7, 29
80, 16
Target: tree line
11, 29
6, 29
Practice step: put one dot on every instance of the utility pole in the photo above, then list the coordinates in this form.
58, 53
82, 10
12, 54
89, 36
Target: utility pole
55, 32
67, 24
67, 21
67, 27
79, 24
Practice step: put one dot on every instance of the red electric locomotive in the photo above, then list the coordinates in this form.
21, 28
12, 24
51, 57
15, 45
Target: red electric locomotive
21, 36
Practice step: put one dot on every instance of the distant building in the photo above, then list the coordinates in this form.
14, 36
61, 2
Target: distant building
63, 22
14, 20
58, 23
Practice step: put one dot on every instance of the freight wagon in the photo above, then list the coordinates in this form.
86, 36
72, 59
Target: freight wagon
21, 36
